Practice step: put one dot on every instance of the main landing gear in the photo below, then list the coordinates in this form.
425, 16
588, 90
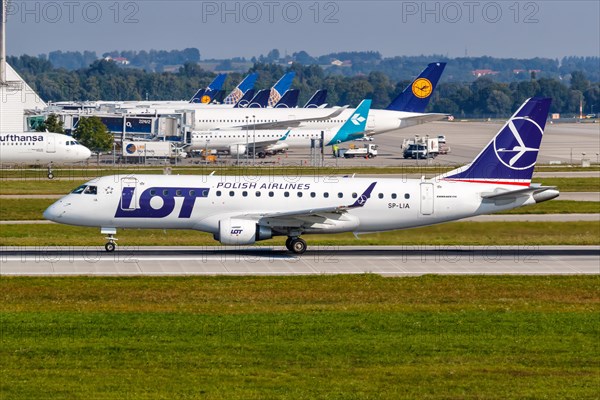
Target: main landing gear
295, 245
110, 233
50, 172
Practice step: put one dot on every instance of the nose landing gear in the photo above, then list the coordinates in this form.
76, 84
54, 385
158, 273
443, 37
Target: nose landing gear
110, 233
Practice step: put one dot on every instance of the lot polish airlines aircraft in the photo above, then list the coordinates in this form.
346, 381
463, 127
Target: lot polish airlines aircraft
265, 141
243, 210
41, 148
407, 109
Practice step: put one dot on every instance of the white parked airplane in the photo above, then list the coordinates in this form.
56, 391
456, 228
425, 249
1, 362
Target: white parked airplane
41, 148
263, 141
244, 210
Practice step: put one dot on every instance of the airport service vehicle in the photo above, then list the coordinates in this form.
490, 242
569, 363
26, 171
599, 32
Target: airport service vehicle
441, 139
367, 151
152, 150
240, 210
41, 148
421, 148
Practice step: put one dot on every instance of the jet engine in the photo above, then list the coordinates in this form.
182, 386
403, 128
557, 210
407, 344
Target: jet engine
236, 149
241, 232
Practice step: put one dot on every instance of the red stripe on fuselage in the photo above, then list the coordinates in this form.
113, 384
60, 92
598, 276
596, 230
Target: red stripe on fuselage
494, 182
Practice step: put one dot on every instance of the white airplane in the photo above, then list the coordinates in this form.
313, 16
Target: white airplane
263, 141
41, 148
243, 210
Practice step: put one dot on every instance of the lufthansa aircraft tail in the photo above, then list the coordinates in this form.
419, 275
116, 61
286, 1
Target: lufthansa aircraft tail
246, 84
208, 95
317, 99
510, 157
289, 99
245, 100
355, 126
280, 88
415, 97
260, 100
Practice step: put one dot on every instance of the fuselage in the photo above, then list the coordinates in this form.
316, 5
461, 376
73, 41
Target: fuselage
201, 202
40, 147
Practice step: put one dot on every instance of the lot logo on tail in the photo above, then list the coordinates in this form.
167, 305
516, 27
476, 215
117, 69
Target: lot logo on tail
515, 151
422, 88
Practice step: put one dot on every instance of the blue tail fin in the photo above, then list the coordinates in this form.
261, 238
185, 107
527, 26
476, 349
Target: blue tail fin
245, 100
289, 99
260, 100
280, 88
246, 84
511, 155
317, 100
207, 95
415, 97
355, 126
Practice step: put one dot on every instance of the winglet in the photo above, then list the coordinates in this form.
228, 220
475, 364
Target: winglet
362, 199
285, 136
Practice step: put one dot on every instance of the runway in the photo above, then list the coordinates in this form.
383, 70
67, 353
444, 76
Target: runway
382, 260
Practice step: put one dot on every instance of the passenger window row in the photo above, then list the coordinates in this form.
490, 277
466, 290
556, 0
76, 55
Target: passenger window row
340, 195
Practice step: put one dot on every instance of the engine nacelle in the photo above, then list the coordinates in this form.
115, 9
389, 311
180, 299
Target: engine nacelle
236, 149
241, 232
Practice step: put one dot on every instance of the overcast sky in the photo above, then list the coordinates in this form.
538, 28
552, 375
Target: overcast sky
224, 29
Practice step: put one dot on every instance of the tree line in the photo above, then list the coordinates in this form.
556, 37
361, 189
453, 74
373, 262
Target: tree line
484, 97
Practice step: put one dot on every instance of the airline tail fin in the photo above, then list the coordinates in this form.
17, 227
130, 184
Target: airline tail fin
355, 126
246, 84
511, 155
280, 88
260, 100
207, 95
245, 100
317, 99
289, 99
415, 97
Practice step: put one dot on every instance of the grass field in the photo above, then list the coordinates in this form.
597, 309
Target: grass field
45, 186
329, 168
455, 233
327, 337
32, 209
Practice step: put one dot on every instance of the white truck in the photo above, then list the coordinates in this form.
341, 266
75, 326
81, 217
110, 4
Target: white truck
367, 151
152, 150
421, 147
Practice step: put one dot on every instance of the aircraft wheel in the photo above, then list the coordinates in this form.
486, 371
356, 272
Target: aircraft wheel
298, 246
288, 243
50, 175
110, 247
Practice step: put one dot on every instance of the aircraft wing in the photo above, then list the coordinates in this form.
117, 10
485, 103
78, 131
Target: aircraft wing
424, 118
309, 213
290, 123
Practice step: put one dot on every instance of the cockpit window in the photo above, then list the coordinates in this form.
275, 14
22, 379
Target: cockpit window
91, 190
79, 190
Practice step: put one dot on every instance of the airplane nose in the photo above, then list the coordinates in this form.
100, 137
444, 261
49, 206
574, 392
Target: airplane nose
85, 153
55, 211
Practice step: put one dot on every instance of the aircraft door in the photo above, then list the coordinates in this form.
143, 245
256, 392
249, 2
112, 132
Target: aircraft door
426, 198
50, 144
371, 122
129, 197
